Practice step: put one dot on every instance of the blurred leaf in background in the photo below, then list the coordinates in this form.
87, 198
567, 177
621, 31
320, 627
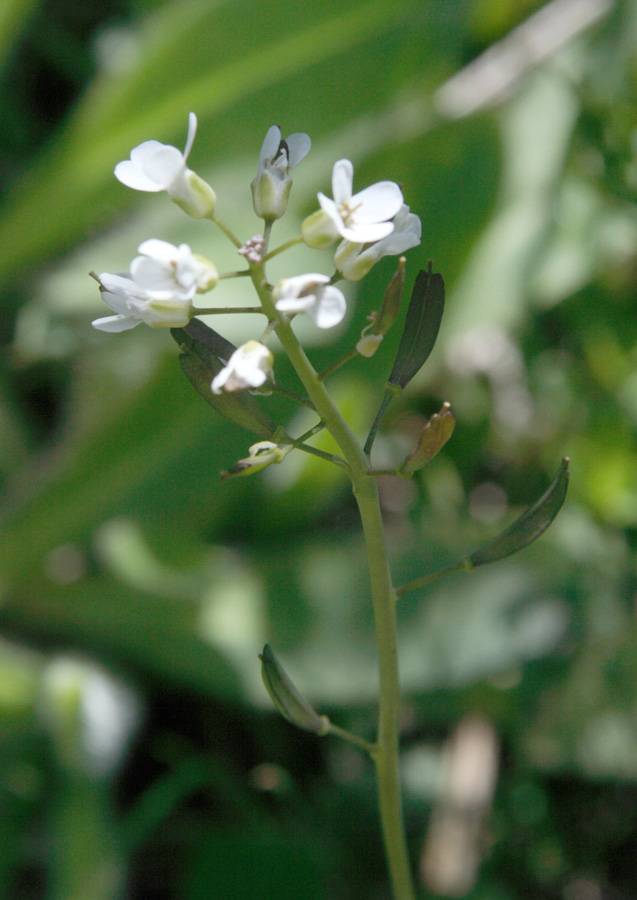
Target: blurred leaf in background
511, 127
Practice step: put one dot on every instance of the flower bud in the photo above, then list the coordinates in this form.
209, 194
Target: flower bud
290, 703
261, 454
368, 344
318, 230
433, 437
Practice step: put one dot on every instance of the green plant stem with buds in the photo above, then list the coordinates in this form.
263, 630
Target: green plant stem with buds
386, 749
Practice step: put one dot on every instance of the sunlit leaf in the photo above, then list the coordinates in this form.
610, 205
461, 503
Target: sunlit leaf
422, 325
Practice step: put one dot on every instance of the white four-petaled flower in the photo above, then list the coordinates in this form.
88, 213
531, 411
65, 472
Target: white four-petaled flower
313, 295
165, 267
248, 367
364, 217
133, 303
154, 166
354, 260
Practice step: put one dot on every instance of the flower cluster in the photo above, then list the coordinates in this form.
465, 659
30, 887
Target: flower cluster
162, 281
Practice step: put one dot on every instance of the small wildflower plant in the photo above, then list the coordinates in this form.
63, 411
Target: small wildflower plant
358, 228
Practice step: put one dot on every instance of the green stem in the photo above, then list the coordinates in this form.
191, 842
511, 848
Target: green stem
226, 310
228, 233
337, 365
462, 566
386, 756
282, 248
359, 742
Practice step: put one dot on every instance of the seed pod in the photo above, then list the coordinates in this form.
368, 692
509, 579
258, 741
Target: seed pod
290, 703
422, 325
529, 526
434, 435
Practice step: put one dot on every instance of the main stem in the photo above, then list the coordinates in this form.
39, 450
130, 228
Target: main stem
386, 751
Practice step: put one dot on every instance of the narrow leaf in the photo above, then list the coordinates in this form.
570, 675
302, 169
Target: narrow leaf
529, 526
422, 325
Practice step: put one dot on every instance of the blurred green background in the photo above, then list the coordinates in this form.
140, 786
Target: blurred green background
139, 755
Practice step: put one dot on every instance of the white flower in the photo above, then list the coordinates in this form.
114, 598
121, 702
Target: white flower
248, 367
134, 303
165, 267
271, 187
160, 167
364, 217
313, 295
354, 261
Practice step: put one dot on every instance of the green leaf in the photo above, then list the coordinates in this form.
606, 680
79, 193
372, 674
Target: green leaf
240, 408
529, 526
422, 325
210, 346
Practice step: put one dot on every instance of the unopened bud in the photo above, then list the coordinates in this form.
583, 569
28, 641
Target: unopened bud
433, 437
318, 230
262, 454
290, 703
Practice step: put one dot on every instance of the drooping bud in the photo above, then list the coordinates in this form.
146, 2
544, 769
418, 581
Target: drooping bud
434, 435
261, 454
290, 703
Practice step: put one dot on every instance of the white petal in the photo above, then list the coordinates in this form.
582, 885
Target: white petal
330, 309
144, 151
297, 284
192, 131
328, 206
367, 234
269, 146
377, 203
159, 250
115, 323
298, 147
296, 304
133, 177
165, 166
152, 274
219, 380
342, 180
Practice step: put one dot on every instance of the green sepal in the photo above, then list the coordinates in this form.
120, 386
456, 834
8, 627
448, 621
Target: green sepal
290, 703
422, 324
200, 363
529, 526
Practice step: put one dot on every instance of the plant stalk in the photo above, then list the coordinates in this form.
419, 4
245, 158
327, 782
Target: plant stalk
386, 755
